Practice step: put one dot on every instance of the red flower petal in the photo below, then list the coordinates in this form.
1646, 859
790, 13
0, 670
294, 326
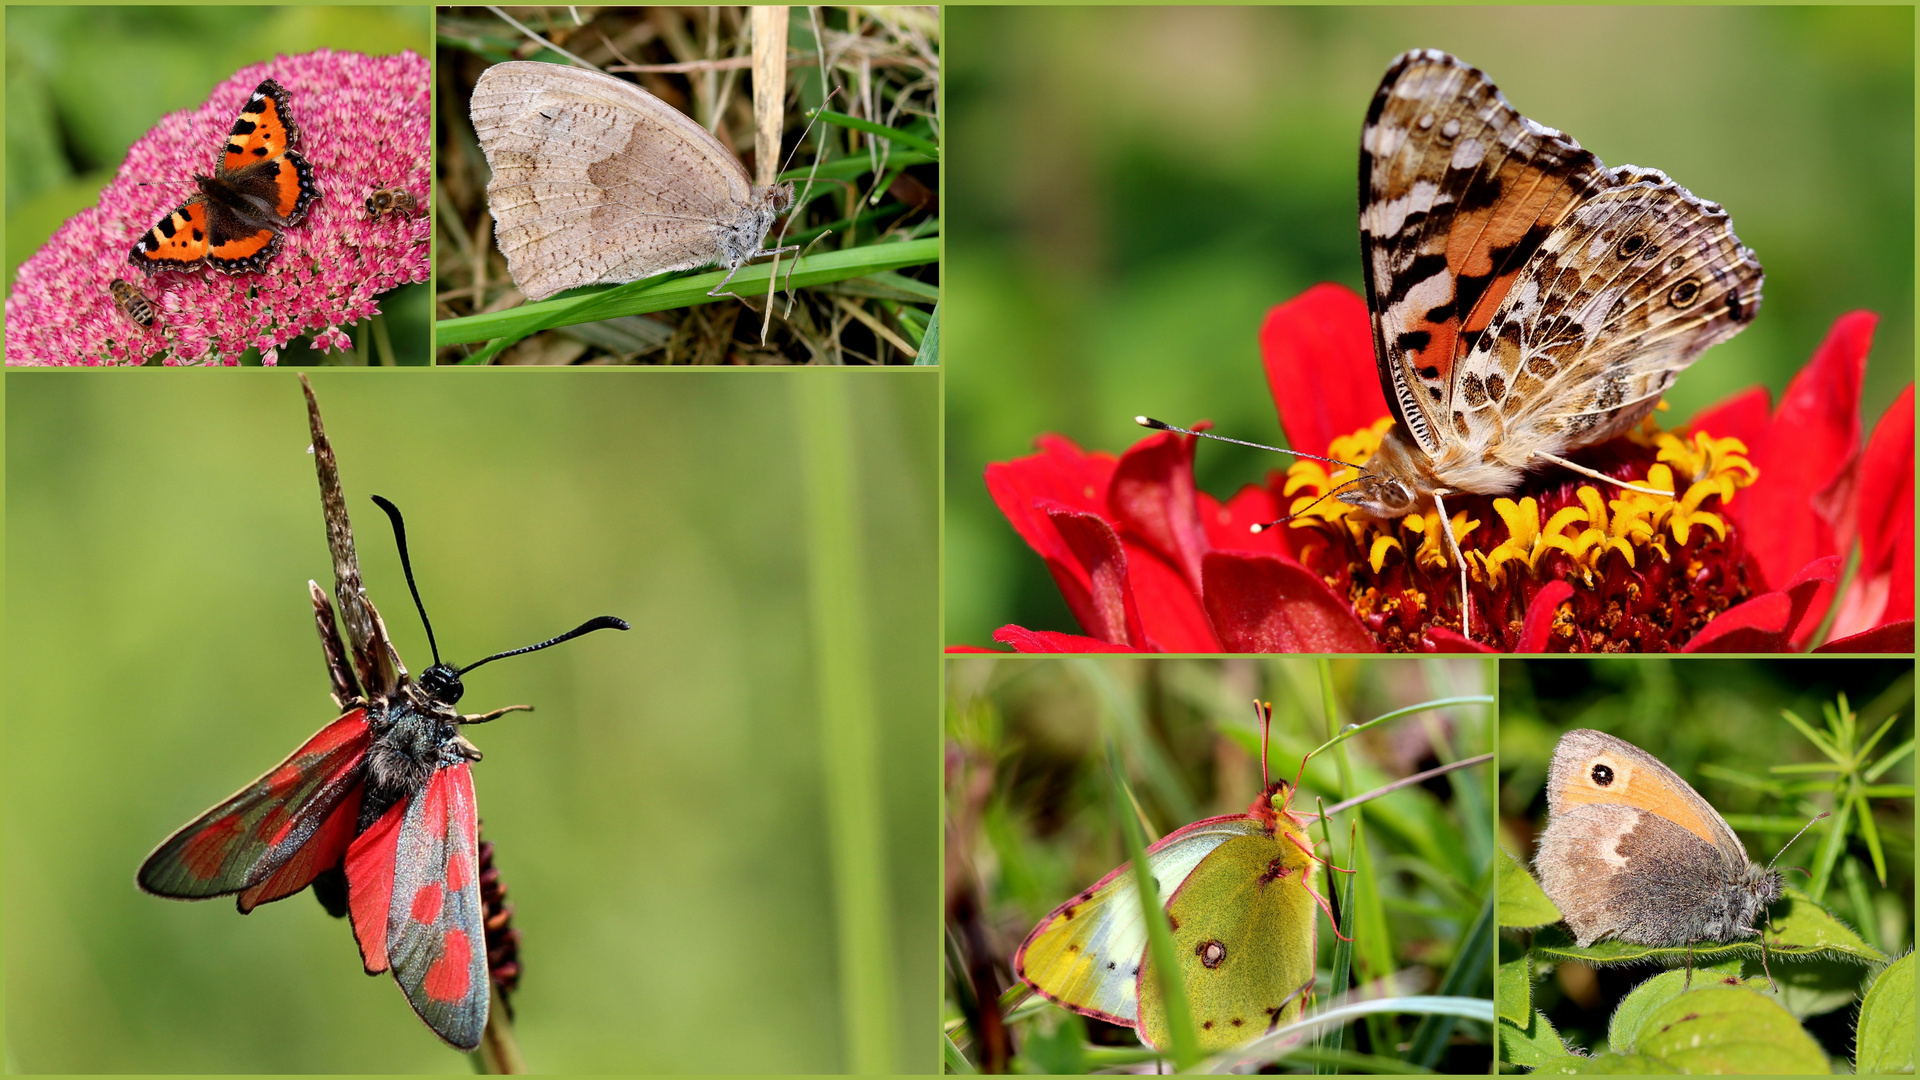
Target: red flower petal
1879, 513
1105, 605
1440, 639
1318, 351
1060, 473
1742, 416
1024, 640
1259, 603
1759, 625
1766, 622
1152, 499
1229, 526
1892, 638
1171, 616
1539, 621
1812, 436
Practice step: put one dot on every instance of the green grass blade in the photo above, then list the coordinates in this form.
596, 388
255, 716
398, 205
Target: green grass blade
1472, 962
930, 341
849, 735
655, 294
893, 135
1185, 1038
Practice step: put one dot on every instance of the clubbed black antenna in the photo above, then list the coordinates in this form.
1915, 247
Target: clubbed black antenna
400, 538
1162, 425
604, 622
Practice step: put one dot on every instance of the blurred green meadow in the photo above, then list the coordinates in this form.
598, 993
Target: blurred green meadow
85, 81
1132, 190
1030, 822
1718, 724
663, 822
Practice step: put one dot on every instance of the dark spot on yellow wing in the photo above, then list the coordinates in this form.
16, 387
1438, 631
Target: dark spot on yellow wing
1237, 1022
1602, 775
1211, 954
1208, 1026
1073, 946
1068, 913
1175, 920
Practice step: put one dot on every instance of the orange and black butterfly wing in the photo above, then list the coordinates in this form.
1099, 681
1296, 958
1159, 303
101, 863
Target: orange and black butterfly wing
260, 159
179, 242
255, 837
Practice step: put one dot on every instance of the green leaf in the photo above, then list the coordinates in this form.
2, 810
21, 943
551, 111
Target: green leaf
1623, 1029
1801, 929
1522, 904
1061, 1049
1728, 1030
1605, 1064
930, 341
1531, 1045
1883, 1041
1513, 989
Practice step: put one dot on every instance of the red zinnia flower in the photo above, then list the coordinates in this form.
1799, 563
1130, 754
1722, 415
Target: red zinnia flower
1744, 556
364, 126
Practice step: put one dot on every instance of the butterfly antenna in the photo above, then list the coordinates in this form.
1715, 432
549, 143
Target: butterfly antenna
400, 538
1336, 490
1788, 844
604, 622
1263, 715
1162, 425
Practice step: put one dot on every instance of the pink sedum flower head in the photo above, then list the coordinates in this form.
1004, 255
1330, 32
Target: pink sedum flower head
364, 126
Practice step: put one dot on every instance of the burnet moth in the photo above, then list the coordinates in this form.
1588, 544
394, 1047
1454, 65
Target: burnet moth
376, 812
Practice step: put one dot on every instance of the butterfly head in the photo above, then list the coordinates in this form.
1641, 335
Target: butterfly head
442, 683
1392, 483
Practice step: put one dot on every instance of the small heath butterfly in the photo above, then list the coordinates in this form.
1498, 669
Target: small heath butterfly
1632, 852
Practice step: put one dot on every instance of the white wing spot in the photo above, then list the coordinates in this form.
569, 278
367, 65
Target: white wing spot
1468, 154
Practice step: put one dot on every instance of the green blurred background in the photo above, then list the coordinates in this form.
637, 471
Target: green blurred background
1717, 724
1132, 189
1030, 813
661, 821
84, 82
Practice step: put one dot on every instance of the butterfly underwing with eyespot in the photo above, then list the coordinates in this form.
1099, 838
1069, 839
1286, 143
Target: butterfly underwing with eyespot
1526, 300
1632, 852
260, 186
377, 811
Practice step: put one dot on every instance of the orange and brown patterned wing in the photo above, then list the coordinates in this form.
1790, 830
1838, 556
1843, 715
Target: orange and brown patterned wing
1457, 193
1629, 291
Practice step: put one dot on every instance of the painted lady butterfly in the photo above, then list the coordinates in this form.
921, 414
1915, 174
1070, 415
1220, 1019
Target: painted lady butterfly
1527, 301
260, 186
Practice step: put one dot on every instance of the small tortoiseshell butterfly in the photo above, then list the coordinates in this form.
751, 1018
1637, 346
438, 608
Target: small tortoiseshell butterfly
260, 186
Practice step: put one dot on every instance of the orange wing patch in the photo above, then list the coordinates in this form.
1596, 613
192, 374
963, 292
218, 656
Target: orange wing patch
262, 132
180, 238
1631, 785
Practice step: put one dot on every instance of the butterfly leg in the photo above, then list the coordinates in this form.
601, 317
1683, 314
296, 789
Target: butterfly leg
1453, 545
481, 718
1584, 471
719, 290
